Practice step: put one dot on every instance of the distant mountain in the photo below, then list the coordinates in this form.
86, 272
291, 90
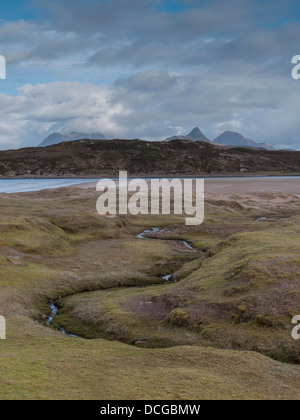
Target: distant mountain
195, 135
230, 138
56, 138
287, 149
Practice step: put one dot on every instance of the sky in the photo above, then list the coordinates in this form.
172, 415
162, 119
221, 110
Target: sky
149, 69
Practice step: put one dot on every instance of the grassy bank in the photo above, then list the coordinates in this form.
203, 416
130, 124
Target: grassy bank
236, 291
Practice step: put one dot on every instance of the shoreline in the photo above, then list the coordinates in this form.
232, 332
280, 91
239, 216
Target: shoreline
240, 186
222, 186
204, 175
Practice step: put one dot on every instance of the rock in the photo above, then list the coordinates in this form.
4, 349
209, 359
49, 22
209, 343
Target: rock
15, 261
139, 342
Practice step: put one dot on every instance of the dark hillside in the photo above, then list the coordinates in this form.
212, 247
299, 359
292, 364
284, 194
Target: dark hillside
176, 157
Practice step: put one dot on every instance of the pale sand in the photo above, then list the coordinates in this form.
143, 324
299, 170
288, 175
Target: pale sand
251, 185
242, 186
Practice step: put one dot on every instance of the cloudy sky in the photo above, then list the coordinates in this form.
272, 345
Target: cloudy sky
149, 69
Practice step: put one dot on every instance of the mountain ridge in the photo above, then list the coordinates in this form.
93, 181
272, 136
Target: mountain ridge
225, 139
232, 138
56, 138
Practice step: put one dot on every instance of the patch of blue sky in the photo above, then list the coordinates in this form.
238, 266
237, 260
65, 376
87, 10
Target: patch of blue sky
16, 10
171, 6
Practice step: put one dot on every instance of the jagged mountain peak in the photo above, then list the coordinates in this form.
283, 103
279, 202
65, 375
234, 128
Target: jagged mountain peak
195, 135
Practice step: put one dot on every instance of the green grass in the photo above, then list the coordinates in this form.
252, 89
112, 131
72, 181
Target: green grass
37, 363
239, 294
237, 291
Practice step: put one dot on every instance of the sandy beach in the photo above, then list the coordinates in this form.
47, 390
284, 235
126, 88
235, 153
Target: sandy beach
243, 186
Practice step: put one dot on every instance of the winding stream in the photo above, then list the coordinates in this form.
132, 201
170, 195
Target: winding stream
168, 279
145, 235
54, 310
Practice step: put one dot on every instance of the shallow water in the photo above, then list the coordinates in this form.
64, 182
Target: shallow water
168, 279
144, 235
54, 310
25, 185
53, 314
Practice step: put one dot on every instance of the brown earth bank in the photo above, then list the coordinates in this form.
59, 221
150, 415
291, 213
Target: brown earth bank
143, 158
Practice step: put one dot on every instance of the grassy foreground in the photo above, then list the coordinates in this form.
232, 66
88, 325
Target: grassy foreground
221, 331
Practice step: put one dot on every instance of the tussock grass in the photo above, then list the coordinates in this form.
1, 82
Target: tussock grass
237, 291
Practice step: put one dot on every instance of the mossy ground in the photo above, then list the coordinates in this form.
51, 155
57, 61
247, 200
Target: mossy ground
236, 291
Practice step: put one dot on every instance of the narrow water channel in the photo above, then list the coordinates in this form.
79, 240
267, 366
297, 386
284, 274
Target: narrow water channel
168, 279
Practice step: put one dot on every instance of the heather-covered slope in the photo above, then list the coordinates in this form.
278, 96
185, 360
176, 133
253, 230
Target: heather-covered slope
144, 158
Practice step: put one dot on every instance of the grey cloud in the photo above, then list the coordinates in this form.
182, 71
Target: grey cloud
136, 35
257, 108
221, 64
141, 18
133, 109
151, 80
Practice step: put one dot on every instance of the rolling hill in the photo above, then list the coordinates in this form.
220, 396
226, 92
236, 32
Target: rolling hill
143, 158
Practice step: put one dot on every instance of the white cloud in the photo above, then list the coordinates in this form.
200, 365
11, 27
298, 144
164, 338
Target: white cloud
60, 106
154, 104
152, 73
